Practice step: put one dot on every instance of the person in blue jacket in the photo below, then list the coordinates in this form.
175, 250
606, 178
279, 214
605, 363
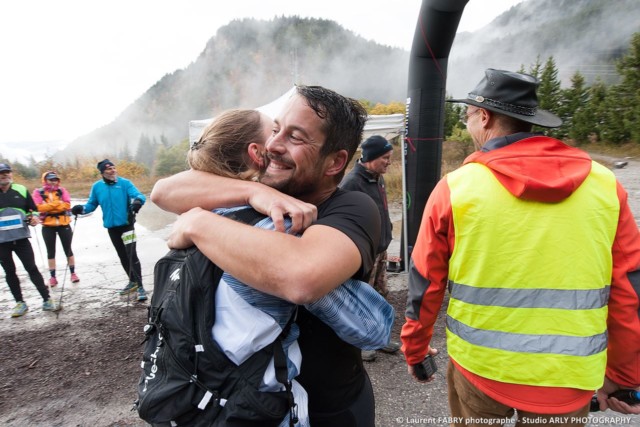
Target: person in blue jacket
120, 201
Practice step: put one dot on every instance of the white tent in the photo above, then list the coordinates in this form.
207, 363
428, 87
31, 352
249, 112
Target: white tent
389, 126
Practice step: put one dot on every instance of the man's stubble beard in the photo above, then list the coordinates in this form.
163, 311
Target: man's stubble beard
288, 186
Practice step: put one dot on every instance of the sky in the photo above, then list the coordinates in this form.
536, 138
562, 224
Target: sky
68, 67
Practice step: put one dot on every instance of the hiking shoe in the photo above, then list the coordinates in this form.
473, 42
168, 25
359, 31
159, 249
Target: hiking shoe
130, 288
19, 310
142, 294
74, 278
53, 282
368, 355
391, 348
50, 305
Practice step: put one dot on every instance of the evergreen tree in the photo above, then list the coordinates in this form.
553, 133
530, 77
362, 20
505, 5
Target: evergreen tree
574, 101
164, 141
629, 89
534, 69
146, 151
453, 114
588, 121
172, 160
613, 127
124, 153
549, 93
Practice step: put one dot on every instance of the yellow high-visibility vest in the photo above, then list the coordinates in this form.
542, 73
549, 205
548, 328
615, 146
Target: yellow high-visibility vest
529, 281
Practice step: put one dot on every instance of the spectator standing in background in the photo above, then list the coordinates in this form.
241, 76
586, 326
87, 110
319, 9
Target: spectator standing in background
54, 203
367, 177
16, 214
120, 201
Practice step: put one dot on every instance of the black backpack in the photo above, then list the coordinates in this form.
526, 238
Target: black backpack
187, 380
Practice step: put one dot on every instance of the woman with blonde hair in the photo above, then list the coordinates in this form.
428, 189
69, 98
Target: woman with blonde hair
232, 145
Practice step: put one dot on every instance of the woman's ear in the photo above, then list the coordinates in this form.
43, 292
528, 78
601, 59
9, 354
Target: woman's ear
256, 154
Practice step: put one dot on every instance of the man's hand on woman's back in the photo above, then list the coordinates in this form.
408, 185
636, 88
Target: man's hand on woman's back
277, 205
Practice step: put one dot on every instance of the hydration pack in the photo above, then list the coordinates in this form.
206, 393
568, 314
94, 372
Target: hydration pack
186, 378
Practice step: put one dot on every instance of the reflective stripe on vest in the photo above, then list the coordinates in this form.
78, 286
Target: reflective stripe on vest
529, 281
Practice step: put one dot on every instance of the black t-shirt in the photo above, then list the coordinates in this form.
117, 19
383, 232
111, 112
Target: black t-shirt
332, 371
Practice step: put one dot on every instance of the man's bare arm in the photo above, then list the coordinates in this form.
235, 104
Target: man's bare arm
189, 189
298, 269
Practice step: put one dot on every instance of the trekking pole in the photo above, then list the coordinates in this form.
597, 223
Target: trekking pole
44, 264
133, 221
46, 268
64, 277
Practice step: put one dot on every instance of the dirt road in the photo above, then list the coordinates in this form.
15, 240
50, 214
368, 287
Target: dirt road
80, 367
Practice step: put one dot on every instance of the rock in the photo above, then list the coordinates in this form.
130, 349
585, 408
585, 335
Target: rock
620, 164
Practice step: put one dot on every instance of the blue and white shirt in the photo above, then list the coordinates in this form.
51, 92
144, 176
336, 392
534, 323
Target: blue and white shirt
247, 320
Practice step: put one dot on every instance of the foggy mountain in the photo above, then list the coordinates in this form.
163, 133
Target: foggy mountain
248, 63
581, 35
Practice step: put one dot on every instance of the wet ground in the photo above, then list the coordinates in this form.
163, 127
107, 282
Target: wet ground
97, 265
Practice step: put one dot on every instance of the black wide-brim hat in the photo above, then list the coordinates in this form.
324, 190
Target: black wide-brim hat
511, 94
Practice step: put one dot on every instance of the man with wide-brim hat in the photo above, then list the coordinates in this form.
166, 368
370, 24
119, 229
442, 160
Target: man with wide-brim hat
508, 94
540, 253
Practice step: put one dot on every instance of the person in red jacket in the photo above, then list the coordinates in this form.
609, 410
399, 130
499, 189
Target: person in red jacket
541, 254
54, 204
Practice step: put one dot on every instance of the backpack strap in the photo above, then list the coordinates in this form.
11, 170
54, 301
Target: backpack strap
282, 371
251, 217
43, 195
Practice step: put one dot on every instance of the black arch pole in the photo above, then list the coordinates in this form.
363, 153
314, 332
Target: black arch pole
435, 31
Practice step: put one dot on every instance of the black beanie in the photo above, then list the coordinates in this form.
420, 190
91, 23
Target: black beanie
374, 147
104, 164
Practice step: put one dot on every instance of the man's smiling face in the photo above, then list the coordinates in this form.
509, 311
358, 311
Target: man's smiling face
110, 173
293, 150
